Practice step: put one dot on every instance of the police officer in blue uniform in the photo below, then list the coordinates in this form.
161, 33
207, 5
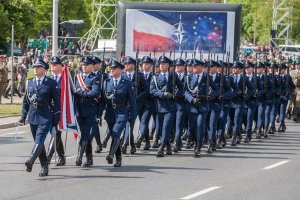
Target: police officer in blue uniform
288, 88
41, 105
120, 108
145, 110
56, 68
277, 83
141, 89
251, 103
87, 87
198, 94
162, 87
228, 80
181, 114
263, 90
101, 103
245, 92
269, 87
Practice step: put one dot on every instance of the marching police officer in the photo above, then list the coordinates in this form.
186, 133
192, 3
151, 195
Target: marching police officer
120, 108
40, 97
181, 114
101, 102
198, 91
56, 140
87, 87
141, 90
245, 92
163, 87
145, 110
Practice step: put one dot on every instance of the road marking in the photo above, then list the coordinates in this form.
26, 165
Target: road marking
68, 157
201, 192
277, 164
13, 133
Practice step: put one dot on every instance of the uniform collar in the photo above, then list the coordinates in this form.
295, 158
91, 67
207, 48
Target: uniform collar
42, 78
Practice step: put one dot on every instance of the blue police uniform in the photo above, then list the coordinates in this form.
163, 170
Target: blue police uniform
195, 93
59, 144
239, 102
86, 100
288, 88
145, 109
181, 114
41, 105
120, 108
277, 83
162, 89
226, 107
142, 93
251, 104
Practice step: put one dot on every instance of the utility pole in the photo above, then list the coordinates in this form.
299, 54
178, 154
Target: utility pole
12, 64
55, 28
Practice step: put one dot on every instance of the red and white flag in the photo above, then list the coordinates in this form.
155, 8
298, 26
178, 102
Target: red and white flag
67, 115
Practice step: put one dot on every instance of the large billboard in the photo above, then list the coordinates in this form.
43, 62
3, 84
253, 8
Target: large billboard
192, 29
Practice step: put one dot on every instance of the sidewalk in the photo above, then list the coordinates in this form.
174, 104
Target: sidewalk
9, 122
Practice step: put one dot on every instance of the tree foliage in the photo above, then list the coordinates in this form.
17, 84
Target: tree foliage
31, 16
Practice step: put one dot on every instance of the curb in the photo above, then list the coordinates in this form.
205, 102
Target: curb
8, 125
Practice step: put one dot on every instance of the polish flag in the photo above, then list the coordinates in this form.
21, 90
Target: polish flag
149, 33
67, 115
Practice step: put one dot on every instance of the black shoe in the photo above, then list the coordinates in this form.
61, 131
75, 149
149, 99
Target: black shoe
188, 142
239, 138
37, 149
44, 170
176, 146
219, 144
138, 143
233, 141
151, 134
197, 152
184, 137
133, 150
209, 148
160, 152
113, 148
81, 150
118, 162
61, 160
98, 149
155, 144
124, 149
265, 133
147, 145
258, 134
272, 129
104, 143
88, 162
169, 149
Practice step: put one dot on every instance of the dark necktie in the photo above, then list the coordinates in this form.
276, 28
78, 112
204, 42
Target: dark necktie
146, 76
129, 75
165, 76
198, 75
39, 83
116, 83
56, 78
84, 76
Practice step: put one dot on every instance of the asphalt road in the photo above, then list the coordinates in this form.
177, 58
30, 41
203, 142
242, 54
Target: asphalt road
264, 169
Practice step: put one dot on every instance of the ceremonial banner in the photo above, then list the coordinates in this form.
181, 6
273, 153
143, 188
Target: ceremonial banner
67, 116
193, 28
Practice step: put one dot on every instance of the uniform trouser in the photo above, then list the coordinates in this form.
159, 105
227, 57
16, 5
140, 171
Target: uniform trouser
115, 129
198, 120
21, 84
238, 112
129, 130
144, 117
261, 114
213, 122
192, 121
282, 110
164, 125
180, 122
153, 126
39, 133
230, 119
274, 111
85, 125
222, 123
251, 110
268, 113
96, 133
